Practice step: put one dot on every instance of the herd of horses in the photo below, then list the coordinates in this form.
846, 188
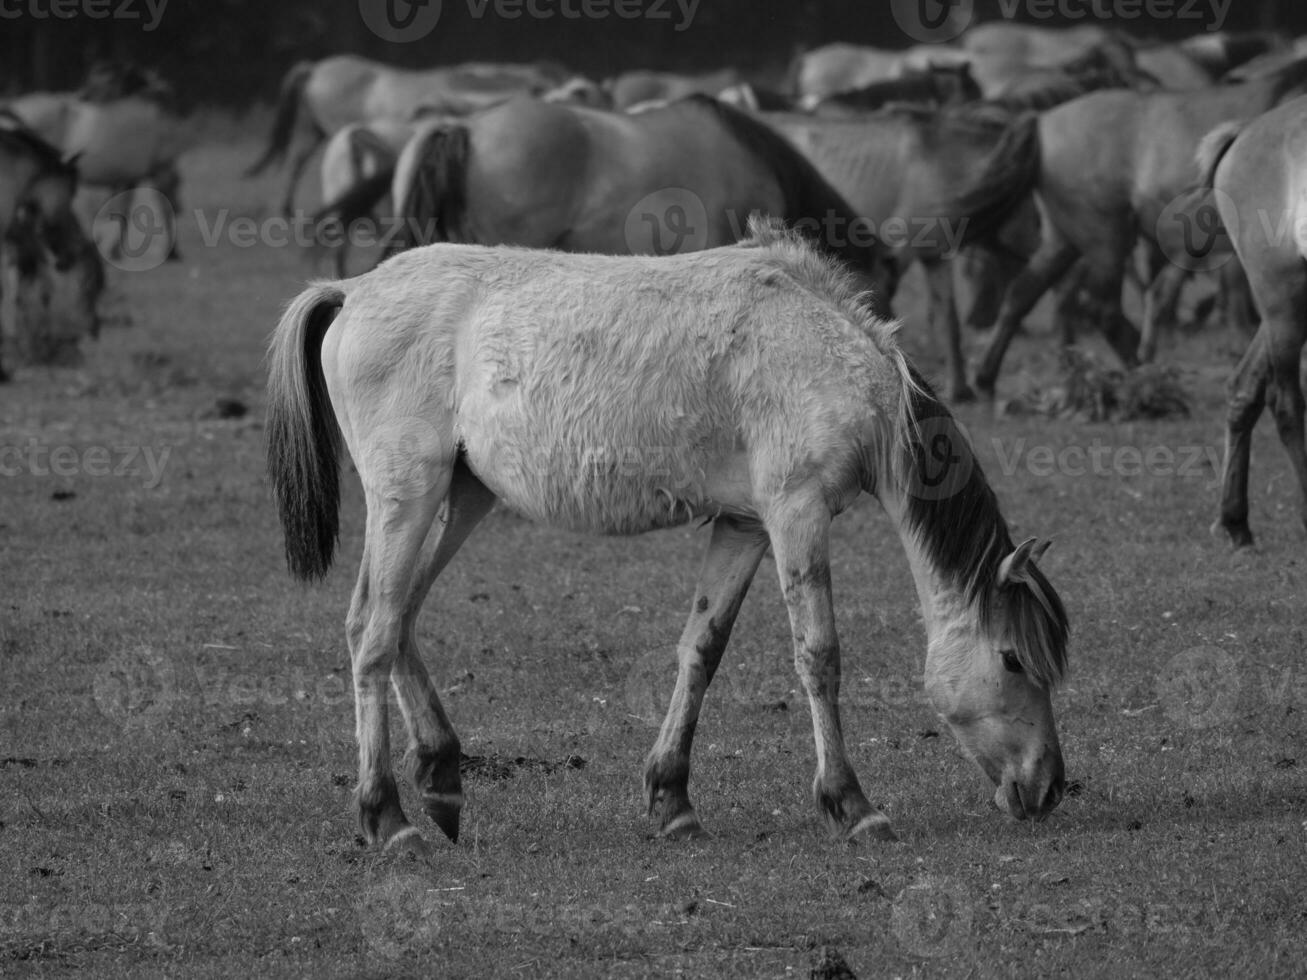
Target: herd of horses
557, 312
1021, 161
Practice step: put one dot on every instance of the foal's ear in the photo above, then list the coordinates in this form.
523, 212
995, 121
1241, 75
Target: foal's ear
1016, 566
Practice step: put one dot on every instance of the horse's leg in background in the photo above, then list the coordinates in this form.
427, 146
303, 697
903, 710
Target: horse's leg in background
1161, 300
728, 567
1247, 398
433, 745
1104, 281
301, 160
946, 328
800, 534
168, 182
397, 527
1284, 306
988, 274
1050, 263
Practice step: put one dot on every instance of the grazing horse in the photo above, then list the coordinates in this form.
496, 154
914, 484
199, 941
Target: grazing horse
1259, 174
934, 86
681, 178
1108, 165
318, 98
893, 165
52, 268
122, 130
460, 375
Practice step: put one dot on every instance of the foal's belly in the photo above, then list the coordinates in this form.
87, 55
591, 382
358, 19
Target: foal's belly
608, 488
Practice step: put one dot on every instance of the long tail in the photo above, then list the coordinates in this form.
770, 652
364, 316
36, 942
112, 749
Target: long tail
431, 187
1212, 150
283, 126
1010, 174
302, 433
359, 201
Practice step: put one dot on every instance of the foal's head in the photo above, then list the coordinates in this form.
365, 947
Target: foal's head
996, 629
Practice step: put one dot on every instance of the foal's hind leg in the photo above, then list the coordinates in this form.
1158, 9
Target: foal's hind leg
396, 529
800, 535
433, 745
728, 567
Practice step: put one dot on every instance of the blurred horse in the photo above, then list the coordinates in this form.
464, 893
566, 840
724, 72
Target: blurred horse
681, 178
933, 86
833, 68
634, 88
457, 376
1107, 167
122, 129
1259, 169
892, 167
52, 274
319, 98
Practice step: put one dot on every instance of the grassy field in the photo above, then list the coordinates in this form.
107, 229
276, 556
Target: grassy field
176, 725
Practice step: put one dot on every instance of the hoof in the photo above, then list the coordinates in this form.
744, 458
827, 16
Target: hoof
409, 842
686, 826
874, 826
444, 810
1240, 535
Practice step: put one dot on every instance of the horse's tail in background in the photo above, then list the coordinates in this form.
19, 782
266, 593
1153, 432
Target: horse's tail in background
1213, 148
1011, 173
283, 125
431, 187
303, 437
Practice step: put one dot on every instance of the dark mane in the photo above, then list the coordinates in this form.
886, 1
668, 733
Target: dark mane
808, 195
20, 139
952, 509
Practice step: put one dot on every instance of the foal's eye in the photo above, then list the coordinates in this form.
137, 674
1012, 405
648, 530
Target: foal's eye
1010, 661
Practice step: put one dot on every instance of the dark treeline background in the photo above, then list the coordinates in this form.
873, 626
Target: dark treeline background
233, 52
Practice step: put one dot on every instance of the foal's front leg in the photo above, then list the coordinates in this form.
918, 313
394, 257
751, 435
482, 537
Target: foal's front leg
728, 567
801, 541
